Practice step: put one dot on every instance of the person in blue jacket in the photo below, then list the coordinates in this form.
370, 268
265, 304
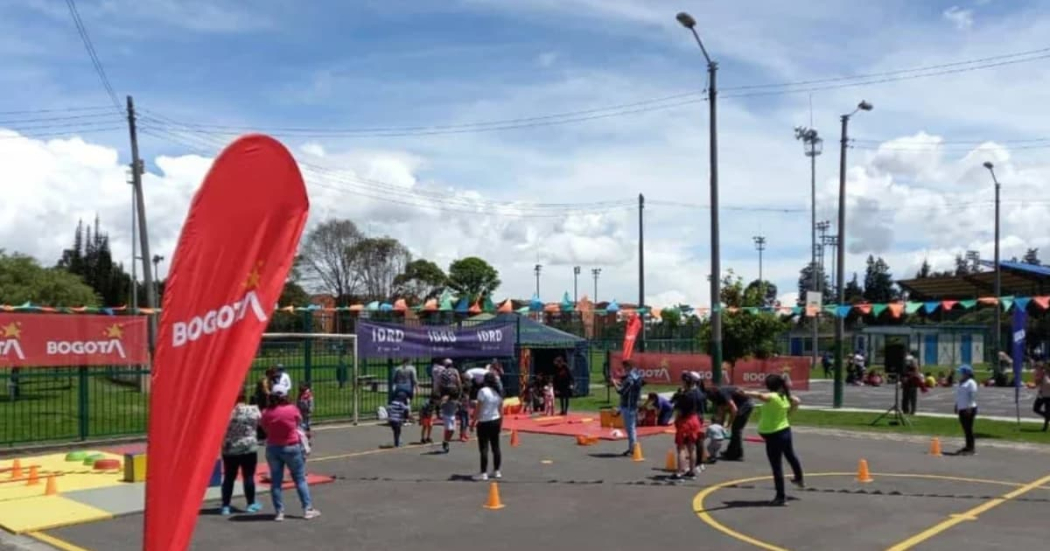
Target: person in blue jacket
663, 407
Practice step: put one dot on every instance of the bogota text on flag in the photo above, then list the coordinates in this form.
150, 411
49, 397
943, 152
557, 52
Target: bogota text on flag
230, 265
48, 340
634, 326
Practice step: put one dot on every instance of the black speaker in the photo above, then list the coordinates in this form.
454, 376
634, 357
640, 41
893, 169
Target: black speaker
895, 355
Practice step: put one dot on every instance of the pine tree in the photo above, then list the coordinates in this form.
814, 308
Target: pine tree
878, 281
924, 270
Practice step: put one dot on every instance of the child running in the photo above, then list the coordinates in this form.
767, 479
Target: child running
426, 421
398, 412
687, 404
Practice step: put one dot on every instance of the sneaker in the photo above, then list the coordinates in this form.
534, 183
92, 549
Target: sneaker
798, 483
254, 508
279, 517
677, 476
778, 502
626, 454
700, 468
311, 513
480, 477
497, 475
225, 511
444, 447
690, 474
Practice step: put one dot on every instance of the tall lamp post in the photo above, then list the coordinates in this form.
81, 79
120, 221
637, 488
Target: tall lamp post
688, 22
596, 272
840, 276
156, 278
575, 286
760, 245
814, 146
538, 269
998, 272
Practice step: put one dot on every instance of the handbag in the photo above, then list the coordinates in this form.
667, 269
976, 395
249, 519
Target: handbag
304, 441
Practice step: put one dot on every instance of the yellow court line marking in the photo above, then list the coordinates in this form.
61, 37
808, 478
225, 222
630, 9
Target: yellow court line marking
55, 542
698, 501
972, 514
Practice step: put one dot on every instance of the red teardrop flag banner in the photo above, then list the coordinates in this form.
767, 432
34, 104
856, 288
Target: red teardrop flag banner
634, 326
233, 256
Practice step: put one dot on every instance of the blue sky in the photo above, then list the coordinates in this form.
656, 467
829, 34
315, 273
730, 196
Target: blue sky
320, 66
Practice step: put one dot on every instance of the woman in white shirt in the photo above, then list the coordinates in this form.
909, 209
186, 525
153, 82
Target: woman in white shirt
488, 405
966, 406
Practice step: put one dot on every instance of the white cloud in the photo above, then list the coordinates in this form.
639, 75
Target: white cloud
960, 17
546, 59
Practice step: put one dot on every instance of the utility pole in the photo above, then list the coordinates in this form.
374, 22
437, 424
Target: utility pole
596, 272
814, 146
537, 269
998, 271
641, 268
575, 286
134, 250
137, 168
760, 245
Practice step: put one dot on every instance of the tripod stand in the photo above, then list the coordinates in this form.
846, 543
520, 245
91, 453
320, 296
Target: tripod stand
898, 417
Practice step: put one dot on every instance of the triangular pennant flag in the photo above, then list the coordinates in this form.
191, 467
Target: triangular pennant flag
947, 305
488, 305
400, 305
1022, 302
967, 304
796, 310
1007, 302
462, 306
930, 306
895, 309
811, 310
506, 308
431, 305
988, 300
863, 308
830, 309
732, 309
446, 304
474, 308
878, 309
1043, 302
523, 310
912, 307
843, 311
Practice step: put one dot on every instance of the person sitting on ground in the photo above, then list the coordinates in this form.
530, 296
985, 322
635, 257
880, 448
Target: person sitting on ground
398, 412
874, 378
662, 406
715, 435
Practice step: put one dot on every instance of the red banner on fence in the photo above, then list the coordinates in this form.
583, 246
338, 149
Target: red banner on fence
233, 256
48, 340
630, 335
667, 368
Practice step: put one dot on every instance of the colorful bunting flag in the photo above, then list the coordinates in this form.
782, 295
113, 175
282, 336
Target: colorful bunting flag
947, 305
1022, 302
895, 309
863, 308
843, 311
1007, 302
931, 306
1043, 302
912, 307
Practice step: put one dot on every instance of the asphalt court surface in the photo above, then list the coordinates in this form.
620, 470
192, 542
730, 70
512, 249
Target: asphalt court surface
562, 496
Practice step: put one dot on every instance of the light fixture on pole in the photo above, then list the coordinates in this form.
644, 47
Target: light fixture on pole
998, 274
689, 22
596, 272
156, 275
760, 245
537, 269
840, 261
575, 285
813, 146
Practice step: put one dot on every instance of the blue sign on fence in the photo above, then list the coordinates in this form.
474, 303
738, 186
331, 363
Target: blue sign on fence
387, 340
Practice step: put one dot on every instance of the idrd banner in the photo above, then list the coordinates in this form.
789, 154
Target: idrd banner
47, 340
387, 340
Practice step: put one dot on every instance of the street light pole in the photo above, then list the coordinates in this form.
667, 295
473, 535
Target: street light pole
689, 22
537, 269
813, 147
840, 327
575, 286
998, 271
596, 272
760, 245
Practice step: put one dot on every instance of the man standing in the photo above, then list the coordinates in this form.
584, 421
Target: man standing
734, 402
911, 380
405, 379
630, 390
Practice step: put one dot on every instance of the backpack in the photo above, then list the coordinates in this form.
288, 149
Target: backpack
451, 383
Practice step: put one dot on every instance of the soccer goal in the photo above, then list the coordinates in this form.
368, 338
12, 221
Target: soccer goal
325, 361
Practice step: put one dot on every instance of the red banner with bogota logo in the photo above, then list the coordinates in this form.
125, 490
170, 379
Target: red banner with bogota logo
233, 256
49, 340
667, 368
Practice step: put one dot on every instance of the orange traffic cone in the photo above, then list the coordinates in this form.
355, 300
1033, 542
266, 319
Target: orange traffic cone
862, 472
935, 447
671, 465
52, 486
16, 470
34, 476
514, 441
636, 454
494, 501
581, 440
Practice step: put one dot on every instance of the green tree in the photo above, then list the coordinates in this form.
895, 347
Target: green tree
732, 292
805, 283
291, 295
924, 270
473, 278
376, 263
421, 280
854, 293
878, 281
671, 317
91, 259
746, 335
22, 280
753, 294
962, 266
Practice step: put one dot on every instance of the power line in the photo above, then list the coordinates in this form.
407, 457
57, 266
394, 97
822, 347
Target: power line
104, 116
19, 134
56, 110
654, 104
86, 39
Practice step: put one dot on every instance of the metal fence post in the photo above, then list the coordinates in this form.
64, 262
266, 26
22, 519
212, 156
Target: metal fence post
308, 353
83, 425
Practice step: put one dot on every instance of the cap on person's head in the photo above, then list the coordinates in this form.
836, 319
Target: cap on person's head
448, 361
965, 369
280, 367
695, 375
279, 391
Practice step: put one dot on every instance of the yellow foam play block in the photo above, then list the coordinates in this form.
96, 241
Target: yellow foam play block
69, 476
45, 513
135, 467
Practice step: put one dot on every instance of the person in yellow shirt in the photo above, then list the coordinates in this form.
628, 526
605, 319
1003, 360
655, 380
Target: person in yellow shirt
775, 429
